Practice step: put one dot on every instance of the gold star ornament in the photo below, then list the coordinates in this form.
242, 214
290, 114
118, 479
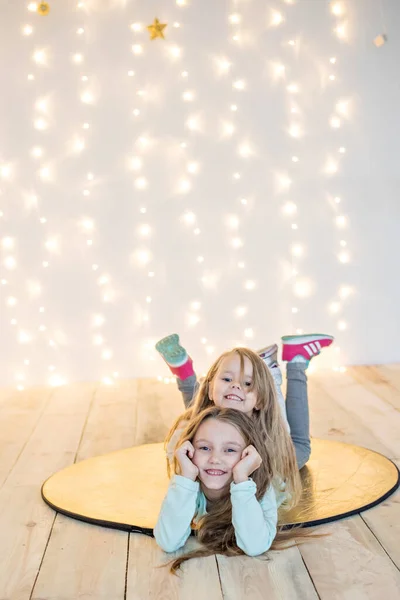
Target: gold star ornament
43, 8
156, 29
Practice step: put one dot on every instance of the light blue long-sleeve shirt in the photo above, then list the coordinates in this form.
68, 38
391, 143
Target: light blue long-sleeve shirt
254, 521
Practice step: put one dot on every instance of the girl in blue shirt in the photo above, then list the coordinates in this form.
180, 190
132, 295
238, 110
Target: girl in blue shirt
211, 489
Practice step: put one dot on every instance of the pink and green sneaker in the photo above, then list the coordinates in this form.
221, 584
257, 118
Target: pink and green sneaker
175, 356
300, 348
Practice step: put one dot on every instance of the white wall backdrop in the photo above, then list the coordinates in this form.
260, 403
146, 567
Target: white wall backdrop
233, 182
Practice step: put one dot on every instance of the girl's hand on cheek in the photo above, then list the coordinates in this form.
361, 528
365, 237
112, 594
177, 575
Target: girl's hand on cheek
184, 455
249, 462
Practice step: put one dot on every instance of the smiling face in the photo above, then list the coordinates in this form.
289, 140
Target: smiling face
218, 448
232, 389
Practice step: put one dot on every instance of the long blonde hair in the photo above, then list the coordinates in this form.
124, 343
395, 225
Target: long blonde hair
215, 530
267, 420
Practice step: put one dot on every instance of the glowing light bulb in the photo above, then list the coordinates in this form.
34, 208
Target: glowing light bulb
337, 9
8, 243
77, 58
37, 152
98, 320
345, 292
331, 167
235, 19
250, 285
145, 230
344, 257
40, 124
189, 218
52, 244
193, 167
234, 107
341, 31
277, 18
175, 52
27, 29
184, 186
78, 145
45, 173
188, 96
24, 337
87, 225
240, 311
332, 60
245, 150
232, 221
141, 183
40, 57
194, 123
5, 172
192, 320
303, 288
342, 108
341, 221
136, 163
284, 182
290, 208
342, 325
137, 49
293, 88
227, 129
87, 98
136, 27
295, 131
297, 250
334, 307
237, 242
279, 70
240, 84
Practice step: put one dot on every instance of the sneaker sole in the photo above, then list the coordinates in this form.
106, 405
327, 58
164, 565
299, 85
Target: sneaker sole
306, 339
170, 347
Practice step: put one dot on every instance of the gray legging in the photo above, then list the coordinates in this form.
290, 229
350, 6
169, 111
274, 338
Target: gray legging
296, 406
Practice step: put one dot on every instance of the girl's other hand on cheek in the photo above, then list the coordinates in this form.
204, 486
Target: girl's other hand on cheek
249, 462
184, 455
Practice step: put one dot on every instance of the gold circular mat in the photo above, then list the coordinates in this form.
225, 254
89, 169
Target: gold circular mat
125, 489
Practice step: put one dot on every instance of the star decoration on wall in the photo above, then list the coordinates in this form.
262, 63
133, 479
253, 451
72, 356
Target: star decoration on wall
156, 29
43, 8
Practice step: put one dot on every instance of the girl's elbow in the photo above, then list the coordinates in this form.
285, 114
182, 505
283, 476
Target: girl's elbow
166, 545
256, 549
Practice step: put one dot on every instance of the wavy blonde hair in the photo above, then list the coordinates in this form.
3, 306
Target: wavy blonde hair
267, 419
215, 530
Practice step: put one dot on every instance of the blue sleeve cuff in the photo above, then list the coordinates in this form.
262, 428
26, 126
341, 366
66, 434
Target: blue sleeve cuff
184, 482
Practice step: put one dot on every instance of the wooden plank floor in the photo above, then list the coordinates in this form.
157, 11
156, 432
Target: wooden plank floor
46, 556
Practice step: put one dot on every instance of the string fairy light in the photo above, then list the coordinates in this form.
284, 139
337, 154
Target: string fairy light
179, 146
